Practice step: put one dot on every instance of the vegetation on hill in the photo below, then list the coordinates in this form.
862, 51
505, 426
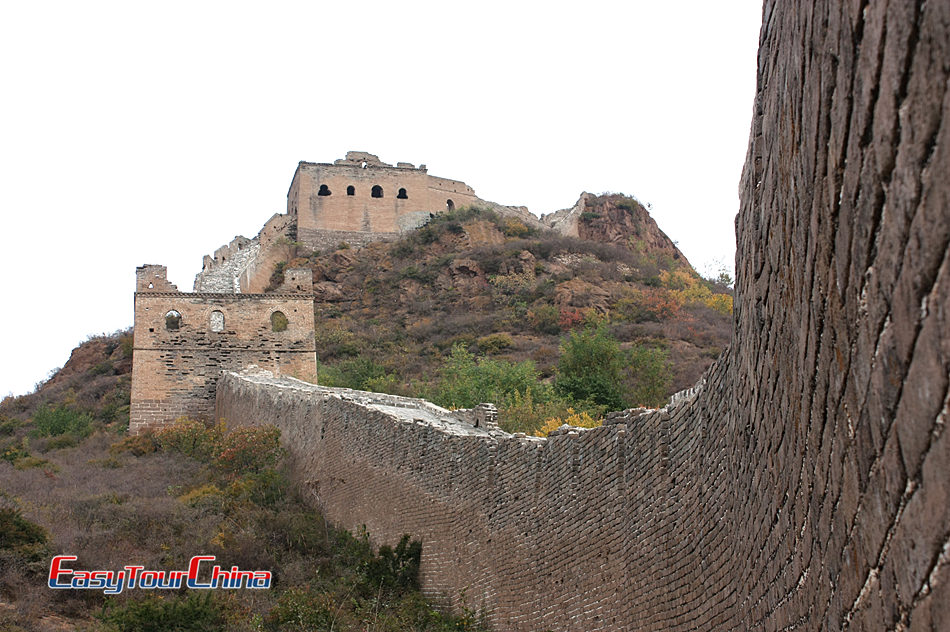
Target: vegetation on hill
476, 306
471, 307
73, 482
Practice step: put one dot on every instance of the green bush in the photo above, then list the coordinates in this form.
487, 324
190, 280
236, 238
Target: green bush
545, 319
466, 381
592, 367
50, 422
361, 374
651, 376
103, 368
196, 611
493, 343
393, 568
521, 413
300, 609
17, 532
126, 343
8, 426
14, 450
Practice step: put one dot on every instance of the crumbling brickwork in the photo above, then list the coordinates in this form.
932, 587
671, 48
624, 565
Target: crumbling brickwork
804, 485
182, 342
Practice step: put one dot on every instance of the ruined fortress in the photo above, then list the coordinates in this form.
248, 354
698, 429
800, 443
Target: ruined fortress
802, 485
354, 200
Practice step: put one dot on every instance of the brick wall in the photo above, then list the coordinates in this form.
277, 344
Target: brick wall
175, 371
361, 212
805, 484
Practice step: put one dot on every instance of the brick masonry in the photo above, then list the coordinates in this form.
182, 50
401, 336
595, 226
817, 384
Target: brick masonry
175, 371
804, 485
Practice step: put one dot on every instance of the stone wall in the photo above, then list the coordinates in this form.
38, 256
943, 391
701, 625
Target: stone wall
175, 370
340, 197
805, 484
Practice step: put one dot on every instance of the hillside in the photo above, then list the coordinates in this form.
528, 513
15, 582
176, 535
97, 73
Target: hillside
74, 483
389, 315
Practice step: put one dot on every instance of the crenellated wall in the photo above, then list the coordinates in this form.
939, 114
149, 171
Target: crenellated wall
806, 484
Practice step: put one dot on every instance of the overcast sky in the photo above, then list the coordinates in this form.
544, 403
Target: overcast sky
139, 133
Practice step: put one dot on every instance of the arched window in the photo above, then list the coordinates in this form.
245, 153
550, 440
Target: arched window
217, 320
278, 321
402, 195
449, 205
324, 190
377, 191
173, 320
351, 190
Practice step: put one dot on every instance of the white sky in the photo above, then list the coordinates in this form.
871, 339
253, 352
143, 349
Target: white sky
136, 133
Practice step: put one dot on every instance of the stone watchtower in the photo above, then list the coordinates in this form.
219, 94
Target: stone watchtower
184, 341
359, 198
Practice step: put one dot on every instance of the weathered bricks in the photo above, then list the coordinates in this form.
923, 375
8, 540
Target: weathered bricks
804, 486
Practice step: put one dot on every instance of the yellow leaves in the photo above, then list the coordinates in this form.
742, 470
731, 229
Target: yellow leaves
575, 419
687, 288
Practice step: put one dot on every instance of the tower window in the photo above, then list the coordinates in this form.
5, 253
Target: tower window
217, 320
173, 320
377, 191
278, 321
450, 205
324, 190
402, 195
351, 190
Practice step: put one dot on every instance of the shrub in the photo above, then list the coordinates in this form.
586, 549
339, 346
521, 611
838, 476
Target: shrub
493, 343
50, 422
592, 367
335, 341
577, 419
138, 445
466, 381
512, 227
545, 319
196, 611
570, 317
13, 451
16, 531
302, 610
394, 568
126, 343
8, 426
651, 376
103, 368
362, 374
521, 413
60, 442
191, 438
248, 450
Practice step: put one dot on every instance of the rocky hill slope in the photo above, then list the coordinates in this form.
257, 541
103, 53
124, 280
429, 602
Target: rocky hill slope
391, 313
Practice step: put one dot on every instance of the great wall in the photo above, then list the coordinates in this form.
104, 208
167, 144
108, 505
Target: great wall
803, 484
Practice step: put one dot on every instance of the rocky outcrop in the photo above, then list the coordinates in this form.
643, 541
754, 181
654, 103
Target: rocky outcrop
613, 219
